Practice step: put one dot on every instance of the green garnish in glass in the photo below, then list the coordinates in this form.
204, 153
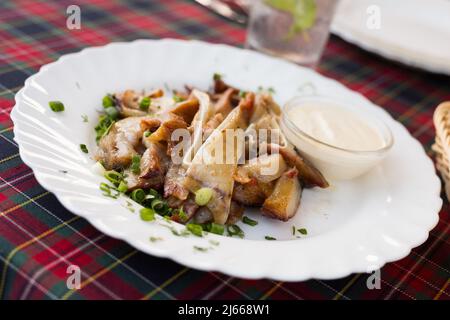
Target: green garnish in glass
145, 103
249, 221
84, 148
136, 164
56, 106
195, 229
304, 13
203, 196
147, 214
108, 101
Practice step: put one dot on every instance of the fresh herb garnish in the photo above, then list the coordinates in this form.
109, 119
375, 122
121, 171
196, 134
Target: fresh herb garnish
109, 191
122, 187
145, 103
203, 196
182, 215
104, 125
195, 229
136, 164
214, 228
217, 76
56, 106
214, 242
303, 231
138, 195
177, 98
147, 214
293, 230
108, 101
85, 118
234, 230
249, 221
112, 113
84, 148
242, 94
201, 249
155, 239
147, 134
270, 238
113, 176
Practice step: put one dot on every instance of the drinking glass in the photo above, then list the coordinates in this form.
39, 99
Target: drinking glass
296, 30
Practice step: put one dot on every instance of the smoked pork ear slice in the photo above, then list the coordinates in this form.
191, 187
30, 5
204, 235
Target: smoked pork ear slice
214, 169
199, 121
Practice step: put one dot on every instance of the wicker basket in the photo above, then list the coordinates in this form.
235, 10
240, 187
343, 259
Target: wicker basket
441, 146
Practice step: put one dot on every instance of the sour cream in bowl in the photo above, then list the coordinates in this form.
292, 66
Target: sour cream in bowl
341, 140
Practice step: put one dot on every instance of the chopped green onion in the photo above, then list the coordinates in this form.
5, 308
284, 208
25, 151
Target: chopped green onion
217, 76
85, 118
147, 214
242, 94
112, 112
84, 148
147, 134
107, 101
234, 230
181, 214
195, 229
249, 221
200, 249
138, 195
145, 103
56, 106
113, 176
216, 228
293, 230
104, 125
108, 191
153, 193
122, 187
203, 196
177, 98
303, 231
158, 205
270, 238
136, 164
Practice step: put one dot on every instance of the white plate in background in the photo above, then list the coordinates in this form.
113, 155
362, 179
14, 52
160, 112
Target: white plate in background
413, 32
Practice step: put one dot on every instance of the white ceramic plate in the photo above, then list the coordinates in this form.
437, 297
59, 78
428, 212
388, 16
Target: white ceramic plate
354, 226
414, 32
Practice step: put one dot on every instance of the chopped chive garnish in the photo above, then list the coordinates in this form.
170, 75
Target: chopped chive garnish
109, 191
293, 230
107, 101
138, 195
85, 118
214, 242
147, 134
215, 228
155, 239
122, 187
158, 205
181, 214
112, 112
145, 103
84, 148
303, 231
200, 249
242, 94
217, 76
136, 164
203, 196
195, 229
249, 221
56, 106
234, 230
270, 238
147, 214
177, 98
113, 176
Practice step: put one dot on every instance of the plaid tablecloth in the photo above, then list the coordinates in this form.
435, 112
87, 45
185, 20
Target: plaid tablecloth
39, 238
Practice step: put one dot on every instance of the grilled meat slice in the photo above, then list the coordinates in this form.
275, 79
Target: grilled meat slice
174, 183
252, 193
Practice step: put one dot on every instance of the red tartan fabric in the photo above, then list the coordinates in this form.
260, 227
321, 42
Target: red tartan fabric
39, 238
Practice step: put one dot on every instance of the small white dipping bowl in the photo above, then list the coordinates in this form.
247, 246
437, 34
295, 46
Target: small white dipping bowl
334, 162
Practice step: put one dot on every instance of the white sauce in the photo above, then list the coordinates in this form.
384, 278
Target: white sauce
337, 126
